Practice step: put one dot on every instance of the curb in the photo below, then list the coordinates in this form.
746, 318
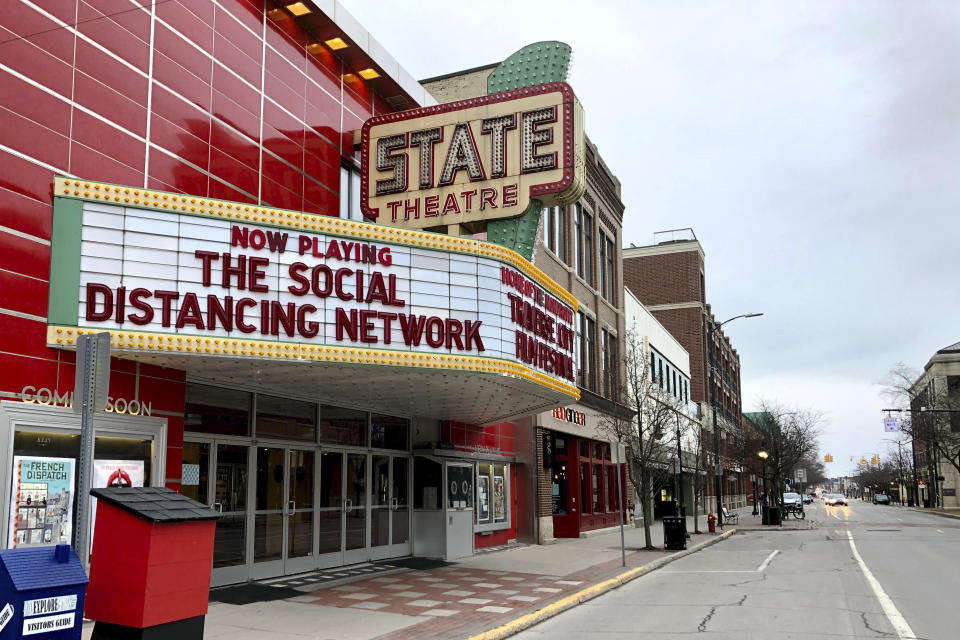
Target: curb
568, 602
936, 513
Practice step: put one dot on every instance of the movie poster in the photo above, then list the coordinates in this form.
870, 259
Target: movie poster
42, 502
483, 498
113, 473
499, 499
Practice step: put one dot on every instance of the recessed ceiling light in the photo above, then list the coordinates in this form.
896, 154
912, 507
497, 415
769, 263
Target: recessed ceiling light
336, 43
298, 9
368, 74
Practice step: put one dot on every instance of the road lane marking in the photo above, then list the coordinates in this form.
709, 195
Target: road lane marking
897, 621
759, 569
939, 530
767, 561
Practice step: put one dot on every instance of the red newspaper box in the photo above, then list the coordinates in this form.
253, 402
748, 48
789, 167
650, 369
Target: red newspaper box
150, 564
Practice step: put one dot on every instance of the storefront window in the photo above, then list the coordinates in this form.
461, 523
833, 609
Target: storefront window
484, 495
195, 474
606, 483
584, 449
459, 486
388, 432
45, 478
596, 488
560, 442
584, 486
492, 493
285, 418
559, 489
343, 426
615, 499
427, 478
215, 410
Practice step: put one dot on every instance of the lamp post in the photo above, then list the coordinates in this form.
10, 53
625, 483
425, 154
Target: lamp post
763, 456
718, 468
753, 485
679, 471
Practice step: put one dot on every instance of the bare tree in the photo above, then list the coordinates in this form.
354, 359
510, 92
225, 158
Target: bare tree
790, 437
876, 477
933, 421
694, 444
649, 433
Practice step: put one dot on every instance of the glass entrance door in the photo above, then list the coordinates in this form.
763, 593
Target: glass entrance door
356, 507
283, 517
225, 490
389, 508
330, 514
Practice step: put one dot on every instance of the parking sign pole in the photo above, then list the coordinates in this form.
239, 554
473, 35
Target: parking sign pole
90, 394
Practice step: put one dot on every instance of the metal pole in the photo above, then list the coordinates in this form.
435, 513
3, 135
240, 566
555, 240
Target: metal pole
679, 471
87, 391
623, 547
716, 434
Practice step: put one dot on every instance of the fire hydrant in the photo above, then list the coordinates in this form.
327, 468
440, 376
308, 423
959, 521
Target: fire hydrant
711, 523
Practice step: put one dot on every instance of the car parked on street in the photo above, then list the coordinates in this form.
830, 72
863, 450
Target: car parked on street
808, 498
881, 498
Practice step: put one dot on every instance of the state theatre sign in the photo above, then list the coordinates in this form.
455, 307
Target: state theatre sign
223, 289
478, 159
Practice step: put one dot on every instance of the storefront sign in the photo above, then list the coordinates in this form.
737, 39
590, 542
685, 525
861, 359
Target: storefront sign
215, 286
41, 512
569, 415
53, 398
476, 159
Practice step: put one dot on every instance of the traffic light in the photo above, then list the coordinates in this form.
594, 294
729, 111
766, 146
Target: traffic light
875, 460
863, 462
828, 458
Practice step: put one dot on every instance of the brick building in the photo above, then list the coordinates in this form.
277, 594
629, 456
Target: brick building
669, 279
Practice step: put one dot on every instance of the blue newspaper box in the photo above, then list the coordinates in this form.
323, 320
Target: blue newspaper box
41, 593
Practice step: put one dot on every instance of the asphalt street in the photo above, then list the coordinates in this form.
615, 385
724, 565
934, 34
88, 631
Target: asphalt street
862, 571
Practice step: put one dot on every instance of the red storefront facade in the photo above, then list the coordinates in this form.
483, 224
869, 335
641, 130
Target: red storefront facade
238, 102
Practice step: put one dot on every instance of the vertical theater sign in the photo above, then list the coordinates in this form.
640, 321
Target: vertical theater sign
474, 160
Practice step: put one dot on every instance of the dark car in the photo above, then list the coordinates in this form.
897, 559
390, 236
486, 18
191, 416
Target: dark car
881, 498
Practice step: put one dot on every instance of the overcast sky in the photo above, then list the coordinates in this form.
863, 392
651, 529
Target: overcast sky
813, 147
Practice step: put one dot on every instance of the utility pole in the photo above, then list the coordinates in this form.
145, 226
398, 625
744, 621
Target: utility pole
718, 468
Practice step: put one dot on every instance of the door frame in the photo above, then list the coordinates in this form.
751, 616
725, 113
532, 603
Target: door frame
392, 549
284, 565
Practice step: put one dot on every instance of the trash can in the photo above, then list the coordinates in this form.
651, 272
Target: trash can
43, 589
771, 516
150, 565
675, 532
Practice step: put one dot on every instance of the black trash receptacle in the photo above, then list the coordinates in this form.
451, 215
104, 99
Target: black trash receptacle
771, 516
675, 532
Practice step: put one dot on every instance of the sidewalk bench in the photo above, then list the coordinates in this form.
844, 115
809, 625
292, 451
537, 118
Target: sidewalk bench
730, 517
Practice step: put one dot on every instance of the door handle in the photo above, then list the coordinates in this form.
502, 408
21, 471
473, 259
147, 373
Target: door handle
393, 503
291, 507
217, 506
347, 505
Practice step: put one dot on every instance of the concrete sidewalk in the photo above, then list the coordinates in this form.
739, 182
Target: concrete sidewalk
455, 601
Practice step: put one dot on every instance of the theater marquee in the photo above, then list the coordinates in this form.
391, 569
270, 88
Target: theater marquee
180, 275
476, 159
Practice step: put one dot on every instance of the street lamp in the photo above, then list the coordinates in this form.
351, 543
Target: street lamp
718, 468
763, 456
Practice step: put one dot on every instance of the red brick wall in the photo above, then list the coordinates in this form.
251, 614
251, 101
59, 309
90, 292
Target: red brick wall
665, 278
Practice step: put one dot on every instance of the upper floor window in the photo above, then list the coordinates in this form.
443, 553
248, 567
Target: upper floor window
350, 194
608, 276
555, 231
586, 372
608, 348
